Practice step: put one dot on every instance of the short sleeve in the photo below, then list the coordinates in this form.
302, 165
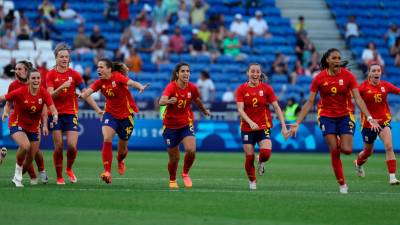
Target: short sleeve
49, 80
169, 90
47, 98
315, 85
352, 81
95, 86
195, 92
392, 89
271, 94
119, 78
239, 94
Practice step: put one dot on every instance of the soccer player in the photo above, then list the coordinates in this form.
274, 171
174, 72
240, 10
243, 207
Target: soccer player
253, 99
22, 71
61, 84
336, 85
374, 91
25, 119
118, 116
178, 121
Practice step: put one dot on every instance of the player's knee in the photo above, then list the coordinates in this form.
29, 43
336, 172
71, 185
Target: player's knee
389, 147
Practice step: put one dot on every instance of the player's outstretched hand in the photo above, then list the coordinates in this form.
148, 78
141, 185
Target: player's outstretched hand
144, 87
293, 129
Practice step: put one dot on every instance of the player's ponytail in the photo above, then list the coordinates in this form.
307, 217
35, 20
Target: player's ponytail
174, 74
119, 67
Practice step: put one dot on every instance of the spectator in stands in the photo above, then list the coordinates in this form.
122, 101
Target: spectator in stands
196, 45
48, 8
301, 44
87, 76
111, 10
123, 13
134, 62
45, 27
204, 33
160, 17
183, 14
300, 26
2, 22
198, 14
206, 87
232, 47
136, 31
391, 35
9, 69
82, 43
215, 21
160, 53
97, 40
395, 52
23, 34
280, 65
240, 28
299, 70
258, 26
67, 14
172, 7
291, 111
351, 29
228, 95
309, 52
144, 16
214, 46
371, 55
177, 42
11, 20
147, 43
9, 40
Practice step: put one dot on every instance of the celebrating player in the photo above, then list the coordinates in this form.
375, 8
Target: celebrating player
62, 83
335, 110
22, 71
118, 117
25, 121
375, 92
178, 121
253, 99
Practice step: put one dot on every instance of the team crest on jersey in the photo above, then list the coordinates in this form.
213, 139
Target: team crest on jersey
70, 78
261, 93
189, 94
113, 84
40, 101
340, 82
383, 89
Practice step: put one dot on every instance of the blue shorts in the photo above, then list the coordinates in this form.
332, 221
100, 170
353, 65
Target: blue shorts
337, 126
66, 122
32, 136
173, 137
369, 136
254, 137
123, 127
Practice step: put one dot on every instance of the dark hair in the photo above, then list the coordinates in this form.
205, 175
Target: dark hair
205, 73
373, 64
28, 67
119, 67
108, 62
263, 75
324, 64
176, 70
33, 70
61, 47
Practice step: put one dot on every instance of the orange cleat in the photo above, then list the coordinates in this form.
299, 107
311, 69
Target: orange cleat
173, 184
60, 181
71, 176
186, 180
106, 177
121, 167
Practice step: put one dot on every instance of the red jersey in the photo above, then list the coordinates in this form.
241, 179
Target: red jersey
117, 94
131, 101
256, 102
375, 97
27, 107
335, 93
180, 114
15, 85
66, 102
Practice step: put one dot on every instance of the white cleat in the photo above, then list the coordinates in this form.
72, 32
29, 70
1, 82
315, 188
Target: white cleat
3, 154
394, 182
359, 169
43, 177
18, 183
343, 189
34, 181
260, 167
253, 185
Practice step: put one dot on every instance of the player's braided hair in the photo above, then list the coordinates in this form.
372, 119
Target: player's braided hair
176, 70
324, 64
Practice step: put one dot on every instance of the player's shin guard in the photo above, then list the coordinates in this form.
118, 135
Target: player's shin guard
363, 156
250, 169
265, 154
337, 166
107, 156
391, 165
71, 156
188, 161
58, 162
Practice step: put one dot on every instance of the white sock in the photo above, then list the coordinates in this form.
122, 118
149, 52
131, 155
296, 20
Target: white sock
18, 172
392, 176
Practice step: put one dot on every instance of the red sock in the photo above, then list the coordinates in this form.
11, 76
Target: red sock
58, 162
188, 161
39, 162
391, 165
71, 155
249, 166
265, 154
337, 166
122, 156
31, 172
107, 156
172, 167
363, 156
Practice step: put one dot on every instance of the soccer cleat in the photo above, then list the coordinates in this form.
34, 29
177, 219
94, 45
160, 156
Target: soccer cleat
60, 181
394, 182
106, 177
343, 189
260, 166
253, 185
173, 184
43, 177
121, 167
17, 182
186, 180
34, 181
71, 175
3, 153
359, 169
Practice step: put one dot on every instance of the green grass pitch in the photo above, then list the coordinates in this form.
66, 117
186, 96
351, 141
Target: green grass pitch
296, 189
